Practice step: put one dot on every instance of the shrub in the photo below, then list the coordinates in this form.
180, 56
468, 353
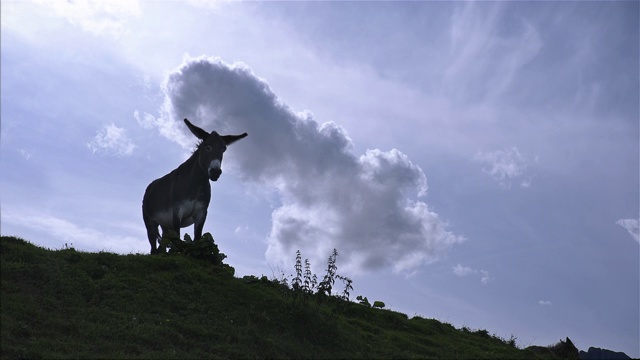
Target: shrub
378, 304
363, 301
204, 248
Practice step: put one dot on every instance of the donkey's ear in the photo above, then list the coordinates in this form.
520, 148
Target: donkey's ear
199, 133
230, 139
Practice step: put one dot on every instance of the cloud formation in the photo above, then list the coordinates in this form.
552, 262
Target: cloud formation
365, 206
461, 271
506, 166
544, 303
146, 121
66, 231
97, 17
26, 154
112, 140
632, 227
478, 48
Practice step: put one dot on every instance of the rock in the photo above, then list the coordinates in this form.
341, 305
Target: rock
563, 350
597, 353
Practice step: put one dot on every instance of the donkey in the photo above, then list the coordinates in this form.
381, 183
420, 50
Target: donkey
181, 198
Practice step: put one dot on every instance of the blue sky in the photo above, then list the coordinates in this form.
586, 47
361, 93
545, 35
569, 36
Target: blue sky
472, 162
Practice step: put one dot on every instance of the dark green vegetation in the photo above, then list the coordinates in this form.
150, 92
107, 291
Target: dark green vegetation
70, 304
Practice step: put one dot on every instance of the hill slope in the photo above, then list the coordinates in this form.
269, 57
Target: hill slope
65, 303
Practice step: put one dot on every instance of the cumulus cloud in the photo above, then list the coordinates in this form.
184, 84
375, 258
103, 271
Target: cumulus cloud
461, 271
544, 303
112, 140
506, 166
368, 206
632, 227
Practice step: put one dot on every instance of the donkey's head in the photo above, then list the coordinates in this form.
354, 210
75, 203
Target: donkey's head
211, 149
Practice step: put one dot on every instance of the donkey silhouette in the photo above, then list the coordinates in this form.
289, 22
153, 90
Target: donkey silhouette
181, 198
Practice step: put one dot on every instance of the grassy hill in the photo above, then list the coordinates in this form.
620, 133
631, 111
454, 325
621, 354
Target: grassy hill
71, 304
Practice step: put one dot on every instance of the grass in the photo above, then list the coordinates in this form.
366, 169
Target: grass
71, 304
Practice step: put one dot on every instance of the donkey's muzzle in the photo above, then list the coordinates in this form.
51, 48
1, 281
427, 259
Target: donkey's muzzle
214, 174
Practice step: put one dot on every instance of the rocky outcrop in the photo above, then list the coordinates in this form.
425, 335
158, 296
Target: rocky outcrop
604, 354
563, 350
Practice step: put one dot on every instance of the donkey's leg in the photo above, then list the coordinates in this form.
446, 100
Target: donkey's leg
165, 231
198, 226
176, 222
152, 232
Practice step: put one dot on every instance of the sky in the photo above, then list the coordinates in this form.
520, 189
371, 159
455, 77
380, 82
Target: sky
477, 163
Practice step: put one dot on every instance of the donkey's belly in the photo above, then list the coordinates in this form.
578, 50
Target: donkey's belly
189, 212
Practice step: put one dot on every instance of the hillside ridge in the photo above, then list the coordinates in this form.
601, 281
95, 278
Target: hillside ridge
72, 304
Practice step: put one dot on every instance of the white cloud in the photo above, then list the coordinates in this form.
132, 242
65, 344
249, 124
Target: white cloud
146, 121
485, 278
461, 271
544, 303
506, 166
210, 4
632, 227
26, 154
98, 17
167, 128
478, 49
365, 206
241, 229
82, 238
113, 140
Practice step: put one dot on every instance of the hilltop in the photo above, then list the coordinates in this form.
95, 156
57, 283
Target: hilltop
72, 304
